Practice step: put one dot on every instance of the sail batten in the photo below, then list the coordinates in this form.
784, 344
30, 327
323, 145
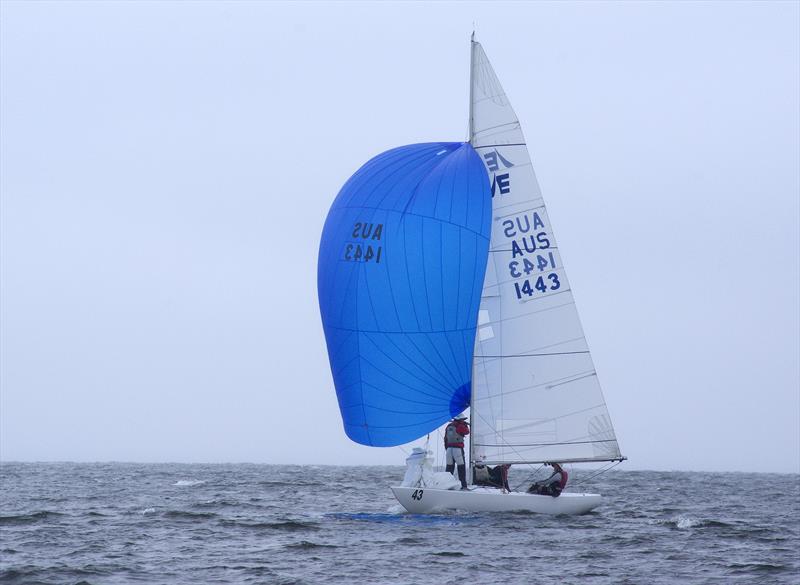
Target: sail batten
528, 405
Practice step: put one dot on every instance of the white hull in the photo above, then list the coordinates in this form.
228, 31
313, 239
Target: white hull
425, 500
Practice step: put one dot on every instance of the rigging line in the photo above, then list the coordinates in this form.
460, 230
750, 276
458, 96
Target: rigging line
529, 477
488, 424
532, 354
602, 470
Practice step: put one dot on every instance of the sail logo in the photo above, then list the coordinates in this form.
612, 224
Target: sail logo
500, 182
366, 247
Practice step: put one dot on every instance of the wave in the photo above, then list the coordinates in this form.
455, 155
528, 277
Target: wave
748, 568
684, 522
446, 553
294, 484
306, 545
28, 518
186, 515
188, 482
288, 525
21, 576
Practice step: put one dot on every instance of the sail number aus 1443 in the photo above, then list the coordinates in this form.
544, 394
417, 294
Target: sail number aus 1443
540, 284
368, 247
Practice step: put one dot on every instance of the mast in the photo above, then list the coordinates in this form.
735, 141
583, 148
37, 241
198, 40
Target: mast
471, 81
471, 128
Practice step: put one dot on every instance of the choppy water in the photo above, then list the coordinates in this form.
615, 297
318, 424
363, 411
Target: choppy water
125, 523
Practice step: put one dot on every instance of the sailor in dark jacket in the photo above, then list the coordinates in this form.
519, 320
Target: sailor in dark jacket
454, 434
553, 485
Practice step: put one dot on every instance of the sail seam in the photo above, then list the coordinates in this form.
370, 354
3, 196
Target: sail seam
404, 398
434, 218
417, 390
546, 444
441, 382
521, 355
556, 382
496, 145
399, 332
406, 370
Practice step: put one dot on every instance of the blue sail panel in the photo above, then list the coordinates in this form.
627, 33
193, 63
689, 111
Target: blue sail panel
400, 272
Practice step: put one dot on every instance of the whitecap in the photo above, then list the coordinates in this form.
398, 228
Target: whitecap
188, 482
148, 511
683, 522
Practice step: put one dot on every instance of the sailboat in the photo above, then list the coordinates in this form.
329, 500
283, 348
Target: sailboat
442, 289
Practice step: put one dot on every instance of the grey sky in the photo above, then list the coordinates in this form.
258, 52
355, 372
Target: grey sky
167, 167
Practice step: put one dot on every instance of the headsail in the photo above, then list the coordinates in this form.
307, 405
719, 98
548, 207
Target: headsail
401, 266
536, 396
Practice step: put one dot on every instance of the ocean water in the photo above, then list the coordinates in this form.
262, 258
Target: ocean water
110, 523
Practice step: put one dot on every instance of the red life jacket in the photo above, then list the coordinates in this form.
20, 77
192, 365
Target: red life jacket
454, 434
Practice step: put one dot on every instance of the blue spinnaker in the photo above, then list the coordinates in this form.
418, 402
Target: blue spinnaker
401, 268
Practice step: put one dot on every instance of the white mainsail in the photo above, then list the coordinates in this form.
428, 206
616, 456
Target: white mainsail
535, 393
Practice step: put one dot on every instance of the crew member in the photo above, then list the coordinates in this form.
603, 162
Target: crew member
553, 485
454, 434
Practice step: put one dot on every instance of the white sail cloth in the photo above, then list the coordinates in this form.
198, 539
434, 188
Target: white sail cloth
536, 396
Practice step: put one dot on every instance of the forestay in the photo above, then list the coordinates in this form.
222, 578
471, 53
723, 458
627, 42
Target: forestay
536, 396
